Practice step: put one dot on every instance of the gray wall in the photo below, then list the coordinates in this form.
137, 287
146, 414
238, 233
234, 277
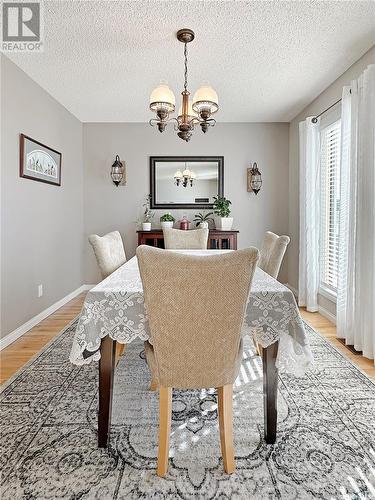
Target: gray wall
41, 224
324, 100
108, 208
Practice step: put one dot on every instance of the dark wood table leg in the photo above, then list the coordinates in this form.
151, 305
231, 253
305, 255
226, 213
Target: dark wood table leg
106, 371
270, 382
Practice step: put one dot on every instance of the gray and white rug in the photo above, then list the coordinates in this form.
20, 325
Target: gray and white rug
325, 447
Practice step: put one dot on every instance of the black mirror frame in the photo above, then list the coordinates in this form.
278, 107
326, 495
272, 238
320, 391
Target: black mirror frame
187, 206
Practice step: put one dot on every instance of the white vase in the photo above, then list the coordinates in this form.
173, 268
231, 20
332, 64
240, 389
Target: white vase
224, 223
166, 224
203, 225
146, 226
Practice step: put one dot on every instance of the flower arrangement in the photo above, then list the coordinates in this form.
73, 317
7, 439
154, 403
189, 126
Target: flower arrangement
148, 215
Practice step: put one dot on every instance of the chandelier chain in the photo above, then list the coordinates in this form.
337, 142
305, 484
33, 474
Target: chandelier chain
186, 69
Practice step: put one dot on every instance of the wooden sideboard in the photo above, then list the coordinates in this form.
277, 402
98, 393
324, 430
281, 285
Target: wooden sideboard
225, 240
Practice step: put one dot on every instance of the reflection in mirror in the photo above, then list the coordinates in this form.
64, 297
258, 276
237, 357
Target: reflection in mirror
185, 182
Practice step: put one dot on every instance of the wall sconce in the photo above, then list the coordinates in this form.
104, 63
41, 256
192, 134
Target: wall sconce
254, 179
118, 172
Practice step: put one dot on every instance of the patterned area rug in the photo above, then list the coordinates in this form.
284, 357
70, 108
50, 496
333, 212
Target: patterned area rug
324, 450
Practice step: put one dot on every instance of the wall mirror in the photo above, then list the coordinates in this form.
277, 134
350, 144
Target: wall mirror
186, 181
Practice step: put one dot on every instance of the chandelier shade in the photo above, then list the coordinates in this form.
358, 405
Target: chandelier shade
162, 97
205, 100
191, 113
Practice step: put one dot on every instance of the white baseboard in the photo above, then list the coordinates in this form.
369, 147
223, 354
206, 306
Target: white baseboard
327, 314
84, 288
21, 330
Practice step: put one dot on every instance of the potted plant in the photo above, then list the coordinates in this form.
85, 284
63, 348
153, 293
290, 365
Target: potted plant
222, 211
147, 215
167, 220
201, 219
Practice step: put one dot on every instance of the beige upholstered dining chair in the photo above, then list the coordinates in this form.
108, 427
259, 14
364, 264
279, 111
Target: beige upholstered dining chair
272, 253
110, 255
195, 321
194, 239
109, 252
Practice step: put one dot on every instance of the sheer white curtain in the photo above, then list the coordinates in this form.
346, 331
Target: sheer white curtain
356, 286
309, 175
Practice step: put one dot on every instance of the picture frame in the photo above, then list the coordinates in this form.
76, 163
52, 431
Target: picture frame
181, 162
39, 162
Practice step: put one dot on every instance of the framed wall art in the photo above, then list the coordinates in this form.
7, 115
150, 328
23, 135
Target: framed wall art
39, 162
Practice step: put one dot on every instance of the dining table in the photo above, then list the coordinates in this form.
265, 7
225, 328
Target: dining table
114, 312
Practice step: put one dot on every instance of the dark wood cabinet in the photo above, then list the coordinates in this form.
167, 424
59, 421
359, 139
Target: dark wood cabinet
217, 240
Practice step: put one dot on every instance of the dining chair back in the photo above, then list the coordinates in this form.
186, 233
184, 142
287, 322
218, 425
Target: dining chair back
193, 239
196, 306
272, 253
109, 252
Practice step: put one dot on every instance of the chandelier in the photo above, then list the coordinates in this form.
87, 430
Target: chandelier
185, 178
197, 111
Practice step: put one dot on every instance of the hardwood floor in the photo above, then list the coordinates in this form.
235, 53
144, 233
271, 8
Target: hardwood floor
328, 329
13, 357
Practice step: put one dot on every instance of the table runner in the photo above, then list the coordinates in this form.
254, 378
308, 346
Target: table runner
115, 307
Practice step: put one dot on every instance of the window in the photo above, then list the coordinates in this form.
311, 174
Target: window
329, 206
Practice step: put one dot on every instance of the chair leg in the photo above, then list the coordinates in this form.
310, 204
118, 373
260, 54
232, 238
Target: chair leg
120, 348
225, 408
259, 348
153, 385
165, 417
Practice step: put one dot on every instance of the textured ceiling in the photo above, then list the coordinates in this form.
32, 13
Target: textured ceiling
267, 60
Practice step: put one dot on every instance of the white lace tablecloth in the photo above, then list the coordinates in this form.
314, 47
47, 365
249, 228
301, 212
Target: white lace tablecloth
115, 307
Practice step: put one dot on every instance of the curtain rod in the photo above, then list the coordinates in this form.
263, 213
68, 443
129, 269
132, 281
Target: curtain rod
315, 119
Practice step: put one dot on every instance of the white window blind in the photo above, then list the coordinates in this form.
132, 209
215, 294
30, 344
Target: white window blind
330, 205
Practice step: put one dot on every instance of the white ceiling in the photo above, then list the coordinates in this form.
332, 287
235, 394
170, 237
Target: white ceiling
267, 60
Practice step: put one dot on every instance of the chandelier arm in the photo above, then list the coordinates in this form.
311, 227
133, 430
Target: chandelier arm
194, 121
191, 124
155, 121
210, 121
